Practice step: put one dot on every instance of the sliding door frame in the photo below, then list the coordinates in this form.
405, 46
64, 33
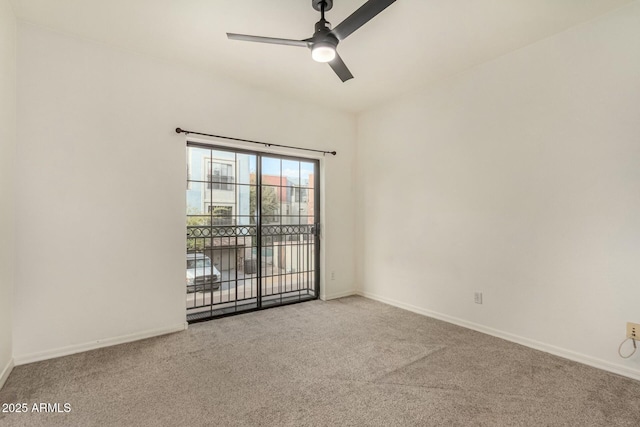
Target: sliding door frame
259, 223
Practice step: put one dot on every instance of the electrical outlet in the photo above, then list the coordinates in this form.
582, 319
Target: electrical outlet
333, 275
478, 297
633, 330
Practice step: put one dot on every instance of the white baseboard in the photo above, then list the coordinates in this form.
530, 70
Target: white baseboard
6, 371
327, 297
93, 345
558, 351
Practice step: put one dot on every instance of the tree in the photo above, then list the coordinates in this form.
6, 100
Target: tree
197, 243
270, 201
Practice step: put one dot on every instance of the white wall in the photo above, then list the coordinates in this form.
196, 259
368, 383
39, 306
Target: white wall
519, 178
101, 187
7, 159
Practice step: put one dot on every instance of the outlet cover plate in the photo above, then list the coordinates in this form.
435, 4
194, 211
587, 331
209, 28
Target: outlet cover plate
633, 330
478, 297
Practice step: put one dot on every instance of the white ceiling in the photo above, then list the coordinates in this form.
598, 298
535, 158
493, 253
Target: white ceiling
409, 45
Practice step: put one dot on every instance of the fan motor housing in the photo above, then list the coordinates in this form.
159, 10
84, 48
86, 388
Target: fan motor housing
317, 5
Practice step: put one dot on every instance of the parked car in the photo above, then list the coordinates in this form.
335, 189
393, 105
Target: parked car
202, 275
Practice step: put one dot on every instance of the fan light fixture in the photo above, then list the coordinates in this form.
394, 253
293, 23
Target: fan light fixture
324, 41
323, 52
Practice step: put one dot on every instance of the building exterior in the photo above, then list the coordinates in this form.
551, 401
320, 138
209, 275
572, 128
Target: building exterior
221, 192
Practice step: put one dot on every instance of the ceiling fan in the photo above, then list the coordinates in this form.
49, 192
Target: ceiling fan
325, 40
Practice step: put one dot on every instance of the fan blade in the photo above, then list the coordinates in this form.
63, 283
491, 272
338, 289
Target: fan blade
270, 40
340, 68
360, 17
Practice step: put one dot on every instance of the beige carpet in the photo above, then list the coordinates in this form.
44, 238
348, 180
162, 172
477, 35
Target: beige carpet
350, 362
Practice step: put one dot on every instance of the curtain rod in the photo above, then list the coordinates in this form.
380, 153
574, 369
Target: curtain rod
266, 144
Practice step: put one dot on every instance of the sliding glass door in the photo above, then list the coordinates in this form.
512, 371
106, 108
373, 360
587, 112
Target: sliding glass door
252, 231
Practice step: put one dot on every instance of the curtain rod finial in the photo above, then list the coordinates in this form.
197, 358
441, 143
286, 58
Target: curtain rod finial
178, 130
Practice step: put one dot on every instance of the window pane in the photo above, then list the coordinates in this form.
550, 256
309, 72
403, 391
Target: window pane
307, 174
245, 169
270, 171
223, 155
196, 163
291, 171
197, 195
271, 200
